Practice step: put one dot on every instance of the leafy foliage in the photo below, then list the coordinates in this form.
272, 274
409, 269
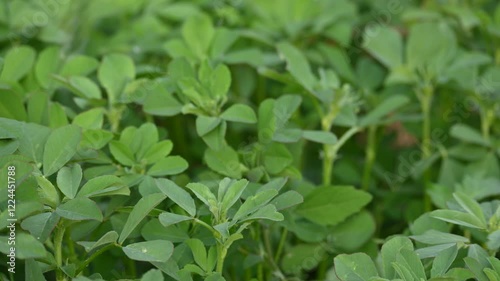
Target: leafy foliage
250, 140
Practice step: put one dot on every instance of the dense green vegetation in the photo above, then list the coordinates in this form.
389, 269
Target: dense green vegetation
252, 140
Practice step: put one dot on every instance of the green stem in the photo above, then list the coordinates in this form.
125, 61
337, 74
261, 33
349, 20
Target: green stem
71, 246
260, 272
131, 267
115, 115
426, 102
221, 256
330, 153
92, 257
323, 267
204, 224
281, 244
328, 158
487, 117
58, 241
369, 157
269, 255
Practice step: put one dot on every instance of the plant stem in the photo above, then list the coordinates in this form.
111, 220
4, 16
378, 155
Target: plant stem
281, 244
328, 159
269, 255
330, 153
370, 157
93, 256
322, 268
114, 116
221, 255
425, 103
71, 247
131, 267
487, 117
58, 241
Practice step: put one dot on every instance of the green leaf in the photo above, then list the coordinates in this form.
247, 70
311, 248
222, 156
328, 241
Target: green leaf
320, 136
122, 153
48, 63
199, 253
81, 86
168, 219
284, 108
139, 212
224, 161
114, 73
332, 204
267, 212
26, 246
68, 180
288, 199
491, 274
476, 268
145, 138
298, 65
41, 225
33, 271
160, 102
433, 251
215, 139
276, 158
60, 148
459, 218
203, 193
232, 194
153, 275
355, 267
470, 205
410, 260
251, 56
90, 119
12, 106
206, 124
386, 46
198, 32
493, 242
32, 141
79, 65
158, 151
467, 134
434, 237
47, 192
443, 261
302, 257
430, 45
254, 203
354, 232
220, 81
170, 165
389, 252
177, 194
387, 106
223, 39
57, 116
151, 251
80, 209
18, 62
108, 238
240, 113
495, 263
216, 276
102, 186
267, 120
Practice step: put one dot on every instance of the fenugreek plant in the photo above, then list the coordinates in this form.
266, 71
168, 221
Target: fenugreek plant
249, 140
